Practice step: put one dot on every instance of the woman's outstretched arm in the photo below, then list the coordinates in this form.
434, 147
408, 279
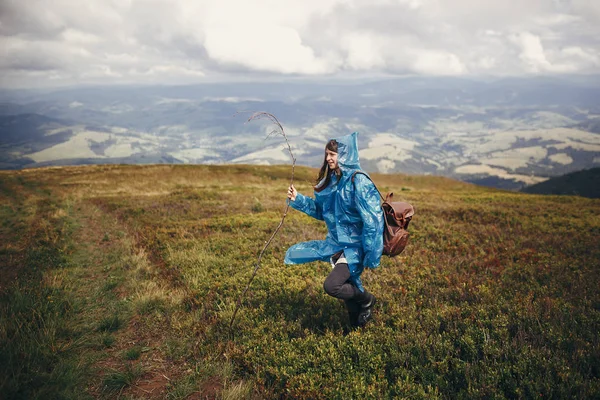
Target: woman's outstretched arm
305, 204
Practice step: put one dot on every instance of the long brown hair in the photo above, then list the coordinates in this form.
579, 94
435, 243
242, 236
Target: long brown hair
332, 145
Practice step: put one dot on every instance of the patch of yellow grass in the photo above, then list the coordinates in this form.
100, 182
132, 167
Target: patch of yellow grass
237, 391
144, 282
148, 292
192, 262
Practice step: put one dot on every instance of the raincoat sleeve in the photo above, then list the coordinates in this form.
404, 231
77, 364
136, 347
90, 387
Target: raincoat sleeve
308, 206
369, 208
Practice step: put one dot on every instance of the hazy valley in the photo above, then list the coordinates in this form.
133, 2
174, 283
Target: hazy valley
506, 133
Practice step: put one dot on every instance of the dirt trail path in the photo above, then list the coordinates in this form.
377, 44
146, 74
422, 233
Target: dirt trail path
127, 325
117, 273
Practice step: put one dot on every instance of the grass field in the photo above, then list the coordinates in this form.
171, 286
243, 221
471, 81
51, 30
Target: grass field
121, 281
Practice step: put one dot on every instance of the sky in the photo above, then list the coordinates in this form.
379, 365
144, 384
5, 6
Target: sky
53, 43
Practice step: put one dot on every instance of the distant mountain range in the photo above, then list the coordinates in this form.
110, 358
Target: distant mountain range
584, 183
505, 133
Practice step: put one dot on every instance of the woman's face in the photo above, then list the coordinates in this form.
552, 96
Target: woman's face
332, 159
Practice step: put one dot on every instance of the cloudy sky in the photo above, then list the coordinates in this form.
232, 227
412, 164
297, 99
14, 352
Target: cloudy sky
69, 42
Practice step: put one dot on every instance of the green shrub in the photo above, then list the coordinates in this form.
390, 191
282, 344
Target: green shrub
110, 323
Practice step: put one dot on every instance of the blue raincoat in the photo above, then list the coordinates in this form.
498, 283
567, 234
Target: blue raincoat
352, 213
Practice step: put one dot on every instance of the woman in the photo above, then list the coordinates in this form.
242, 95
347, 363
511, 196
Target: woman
349, 205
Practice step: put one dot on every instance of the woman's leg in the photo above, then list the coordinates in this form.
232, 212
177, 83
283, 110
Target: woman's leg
337, 284
359, 304
354, 310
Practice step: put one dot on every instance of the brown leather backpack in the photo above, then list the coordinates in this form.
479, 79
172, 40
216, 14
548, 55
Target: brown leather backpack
396, 217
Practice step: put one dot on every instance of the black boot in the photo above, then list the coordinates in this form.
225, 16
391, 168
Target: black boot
354, 310
366, 301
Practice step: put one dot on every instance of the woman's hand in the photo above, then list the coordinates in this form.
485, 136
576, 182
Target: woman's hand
292, 193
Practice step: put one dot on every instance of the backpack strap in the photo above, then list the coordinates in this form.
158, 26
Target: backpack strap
365, 174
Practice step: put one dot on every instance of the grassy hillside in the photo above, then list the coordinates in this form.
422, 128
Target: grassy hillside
120, 282
584, 183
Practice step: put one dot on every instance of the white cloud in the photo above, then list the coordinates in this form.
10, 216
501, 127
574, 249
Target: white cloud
160, 41
272, 49
588, 9
438, 63
569, 59
262, 35
532, 52
364, 50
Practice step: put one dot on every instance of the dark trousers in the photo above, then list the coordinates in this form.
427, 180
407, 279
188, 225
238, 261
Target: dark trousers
337, 284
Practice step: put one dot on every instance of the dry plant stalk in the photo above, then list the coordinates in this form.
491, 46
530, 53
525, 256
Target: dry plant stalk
277, 131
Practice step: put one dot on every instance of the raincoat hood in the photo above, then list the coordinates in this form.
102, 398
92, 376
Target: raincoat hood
348, 152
